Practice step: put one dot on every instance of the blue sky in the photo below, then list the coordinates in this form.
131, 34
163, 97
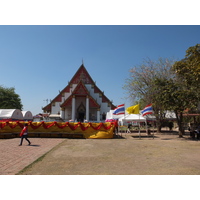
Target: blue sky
40, 60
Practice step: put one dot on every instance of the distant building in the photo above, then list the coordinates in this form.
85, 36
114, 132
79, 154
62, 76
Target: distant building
80, 100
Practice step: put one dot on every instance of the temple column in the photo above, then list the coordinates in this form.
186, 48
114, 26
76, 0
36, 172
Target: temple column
87, 108
73, 107
98, 115
62, 113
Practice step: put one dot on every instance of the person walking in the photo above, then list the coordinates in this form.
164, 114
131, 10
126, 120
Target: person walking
128, 129
24, 134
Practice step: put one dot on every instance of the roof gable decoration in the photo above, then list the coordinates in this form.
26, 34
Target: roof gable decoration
80, 89
82, 75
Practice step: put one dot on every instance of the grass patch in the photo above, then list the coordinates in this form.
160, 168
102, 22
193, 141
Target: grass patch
29, 166
37, 160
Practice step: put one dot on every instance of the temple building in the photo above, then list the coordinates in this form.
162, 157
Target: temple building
80, 100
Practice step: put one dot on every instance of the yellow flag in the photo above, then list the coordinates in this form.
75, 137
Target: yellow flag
133, 109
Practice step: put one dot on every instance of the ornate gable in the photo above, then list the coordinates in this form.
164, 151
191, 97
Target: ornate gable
82, 75
80, 89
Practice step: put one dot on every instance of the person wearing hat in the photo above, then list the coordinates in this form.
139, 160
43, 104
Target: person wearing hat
24, 134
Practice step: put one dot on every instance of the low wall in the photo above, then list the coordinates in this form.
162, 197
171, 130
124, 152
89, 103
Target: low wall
88, 130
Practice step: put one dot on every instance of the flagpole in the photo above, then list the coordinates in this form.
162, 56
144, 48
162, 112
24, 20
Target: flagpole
139, 126
117, 111
134, 110
146, 111
146, 126
153, 129
124, 117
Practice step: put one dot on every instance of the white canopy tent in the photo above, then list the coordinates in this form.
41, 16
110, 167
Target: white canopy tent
130, 118
133, 117
126, 117
27, 115
14, 114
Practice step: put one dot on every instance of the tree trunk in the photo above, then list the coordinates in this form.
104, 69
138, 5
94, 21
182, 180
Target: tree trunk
158, 125
179, 118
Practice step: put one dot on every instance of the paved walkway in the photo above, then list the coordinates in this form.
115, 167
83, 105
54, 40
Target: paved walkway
14, 158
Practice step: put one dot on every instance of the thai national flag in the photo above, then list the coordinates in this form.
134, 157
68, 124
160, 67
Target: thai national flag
120, 110
147, 110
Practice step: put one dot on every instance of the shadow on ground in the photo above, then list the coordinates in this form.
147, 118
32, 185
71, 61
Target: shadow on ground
34, 145
145, 136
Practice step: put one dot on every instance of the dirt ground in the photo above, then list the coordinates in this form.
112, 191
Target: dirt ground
166, 154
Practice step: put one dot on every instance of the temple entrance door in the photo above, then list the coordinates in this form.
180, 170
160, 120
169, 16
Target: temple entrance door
81, 113
81, 116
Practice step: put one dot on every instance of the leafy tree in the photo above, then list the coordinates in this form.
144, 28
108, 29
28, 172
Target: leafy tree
169, 86
142, 85
9, 99
175, 96
142, 78
188, 69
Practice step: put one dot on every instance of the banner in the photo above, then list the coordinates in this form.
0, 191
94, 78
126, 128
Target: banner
89, 130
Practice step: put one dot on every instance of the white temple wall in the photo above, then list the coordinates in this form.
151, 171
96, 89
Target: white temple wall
94, 95
89, 88
68, 114
73, 86
67, 95
55, 108
104, 108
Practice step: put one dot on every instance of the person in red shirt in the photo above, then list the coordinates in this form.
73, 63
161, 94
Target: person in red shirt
24, 134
